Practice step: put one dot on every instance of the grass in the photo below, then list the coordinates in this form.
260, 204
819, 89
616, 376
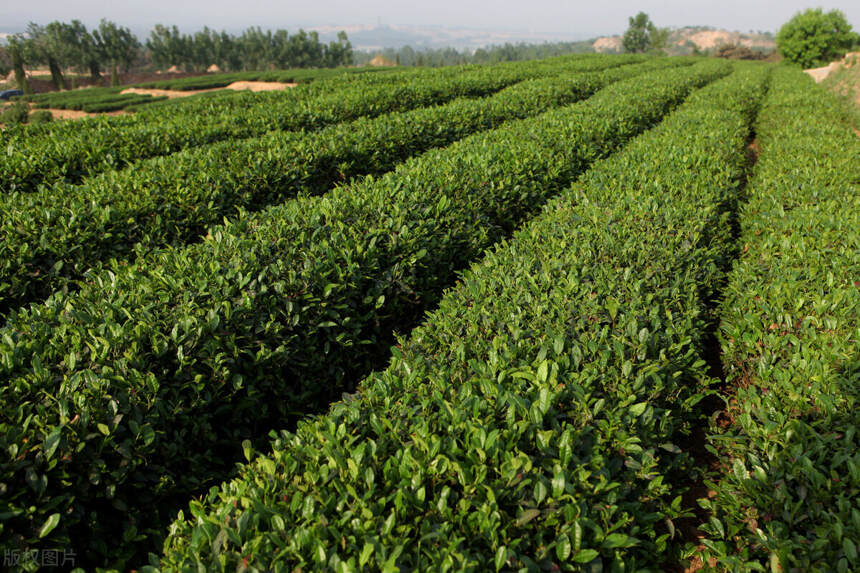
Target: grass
845, 82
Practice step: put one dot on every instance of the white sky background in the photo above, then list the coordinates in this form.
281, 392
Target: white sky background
569, 19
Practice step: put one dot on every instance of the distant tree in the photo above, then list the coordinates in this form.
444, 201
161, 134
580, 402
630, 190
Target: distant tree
87, 51
5, 62
339, 53
637, 38
813, 37
76, 47
659, 39
117, 46
51, 45
202, 53
167, 47
643, 36
17, 49
738, 52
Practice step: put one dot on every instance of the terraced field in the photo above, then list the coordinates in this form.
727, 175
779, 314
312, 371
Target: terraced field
593, 313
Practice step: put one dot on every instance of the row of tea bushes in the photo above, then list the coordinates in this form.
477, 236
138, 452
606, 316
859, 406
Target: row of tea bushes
125, 395
57, 233
90, 100
529, 423
70, 153
297, 75
790, 334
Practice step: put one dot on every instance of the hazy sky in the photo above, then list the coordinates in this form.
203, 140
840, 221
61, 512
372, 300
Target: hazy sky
569, 18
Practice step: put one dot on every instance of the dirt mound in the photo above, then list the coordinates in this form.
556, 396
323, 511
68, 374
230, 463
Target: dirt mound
381, 61
260, 86
168, 93
609, 44
821, 74
237, 86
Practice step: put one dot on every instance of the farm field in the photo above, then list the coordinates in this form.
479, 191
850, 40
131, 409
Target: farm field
135, 98
591, 313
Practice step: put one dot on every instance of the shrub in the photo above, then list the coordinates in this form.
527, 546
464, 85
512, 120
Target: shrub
15, 114
814, 37
42, 116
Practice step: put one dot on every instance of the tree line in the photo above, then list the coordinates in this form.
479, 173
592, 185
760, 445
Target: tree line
437, 57
111, 48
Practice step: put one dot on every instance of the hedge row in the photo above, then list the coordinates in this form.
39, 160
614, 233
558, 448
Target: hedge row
220, 80
70, 154
58, 233
91, 100
790, 339
131, 390
529, 422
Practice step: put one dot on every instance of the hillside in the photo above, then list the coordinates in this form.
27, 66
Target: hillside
684, 40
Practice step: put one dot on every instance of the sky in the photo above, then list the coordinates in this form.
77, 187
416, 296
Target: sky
568, 19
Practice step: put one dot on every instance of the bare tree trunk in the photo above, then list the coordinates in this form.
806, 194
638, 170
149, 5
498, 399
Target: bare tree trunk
95, 72
56, 74
20, 74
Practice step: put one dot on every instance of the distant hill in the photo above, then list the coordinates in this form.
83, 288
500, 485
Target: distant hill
372, 38
377, 37
684, 40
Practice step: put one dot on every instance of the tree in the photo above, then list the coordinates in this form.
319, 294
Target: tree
50, 45
116, 45
17, 50
813, 37
79, 48
643, 36
339, 53
167, 47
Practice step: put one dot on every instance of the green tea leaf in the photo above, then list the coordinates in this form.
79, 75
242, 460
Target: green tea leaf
585, 556
52, 442
501, 557
49, 525
563, 547
527, 516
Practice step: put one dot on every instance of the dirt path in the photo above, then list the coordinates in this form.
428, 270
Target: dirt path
169, 93
78, 114
237, 86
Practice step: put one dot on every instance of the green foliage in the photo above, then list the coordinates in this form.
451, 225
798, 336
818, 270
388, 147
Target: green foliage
58, 233
254, 49
813, 38
210, 81
67, 152
643, 36
790, 341
448, 56
738, 52
5, 62
145, 383
15, 113
91, 100
41, 116
530, 422
116, 46
49, 45
17, 48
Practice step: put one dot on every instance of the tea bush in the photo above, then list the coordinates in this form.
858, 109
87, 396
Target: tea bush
530, 422
58, 233
128, 394
790, 338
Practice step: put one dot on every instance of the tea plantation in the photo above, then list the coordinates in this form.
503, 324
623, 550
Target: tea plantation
592, 313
